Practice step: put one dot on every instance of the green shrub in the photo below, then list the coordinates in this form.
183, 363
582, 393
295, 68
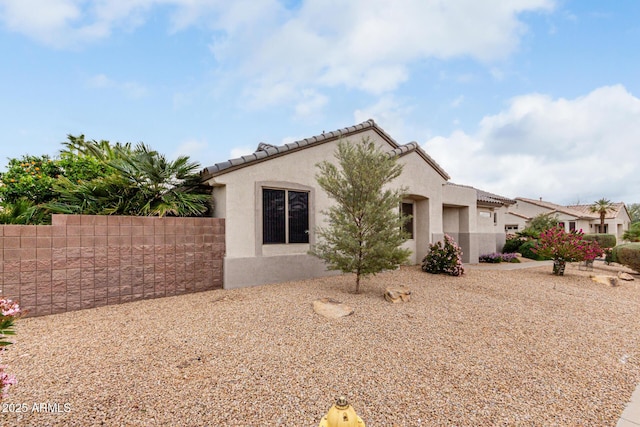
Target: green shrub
526, 252
628, 255
633, 233
604, 240
538, 224
512, 245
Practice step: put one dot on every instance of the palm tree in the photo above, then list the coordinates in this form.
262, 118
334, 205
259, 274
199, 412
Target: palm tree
143, 183
163, 187
101, 150
602, 207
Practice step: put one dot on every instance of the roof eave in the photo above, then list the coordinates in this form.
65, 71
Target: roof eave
273, 152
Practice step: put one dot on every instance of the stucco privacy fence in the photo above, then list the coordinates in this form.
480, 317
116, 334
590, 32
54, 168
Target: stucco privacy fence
85, 261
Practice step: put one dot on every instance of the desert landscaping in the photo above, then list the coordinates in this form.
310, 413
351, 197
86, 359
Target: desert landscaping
489, 347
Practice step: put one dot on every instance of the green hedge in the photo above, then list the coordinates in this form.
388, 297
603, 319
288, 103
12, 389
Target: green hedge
526, 252
628, 255
604, 240
513, 245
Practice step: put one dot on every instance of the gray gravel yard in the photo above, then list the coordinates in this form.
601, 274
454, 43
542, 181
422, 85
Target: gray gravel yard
519, 347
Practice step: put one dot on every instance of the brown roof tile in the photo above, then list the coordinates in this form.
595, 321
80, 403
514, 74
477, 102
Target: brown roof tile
586, 209
266, 151
559, 208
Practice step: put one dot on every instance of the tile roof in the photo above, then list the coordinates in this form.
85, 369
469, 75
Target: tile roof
486, 197
586, 210
559, 208
519, 215
266, 151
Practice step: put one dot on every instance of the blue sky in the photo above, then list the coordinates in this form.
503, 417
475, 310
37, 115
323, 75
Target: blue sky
531, 98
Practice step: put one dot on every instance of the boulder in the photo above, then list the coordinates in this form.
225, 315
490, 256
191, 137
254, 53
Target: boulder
606, 280
625, 276
397, 294
331, 308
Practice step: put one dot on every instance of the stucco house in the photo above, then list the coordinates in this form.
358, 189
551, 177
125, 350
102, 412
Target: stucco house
571, 217
616, 221
272, 204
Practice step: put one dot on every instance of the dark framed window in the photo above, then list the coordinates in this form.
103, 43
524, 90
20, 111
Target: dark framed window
298, 217
285, 216
572, 226
407, 210
273, 217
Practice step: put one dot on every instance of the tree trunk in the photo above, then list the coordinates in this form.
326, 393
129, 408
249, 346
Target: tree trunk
602, 222
358, 282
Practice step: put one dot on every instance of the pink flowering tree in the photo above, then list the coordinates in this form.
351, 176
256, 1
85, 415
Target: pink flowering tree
9, 311
565, 247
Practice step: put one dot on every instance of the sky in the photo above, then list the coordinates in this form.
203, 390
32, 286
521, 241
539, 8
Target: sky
523, 98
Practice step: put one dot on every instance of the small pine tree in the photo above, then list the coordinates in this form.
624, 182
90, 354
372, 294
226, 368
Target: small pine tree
364, 230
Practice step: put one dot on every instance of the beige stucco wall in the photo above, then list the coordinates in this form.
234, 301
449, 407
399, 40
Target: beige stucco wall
249, 262
510, 219
472, 224
616, 226
530, 210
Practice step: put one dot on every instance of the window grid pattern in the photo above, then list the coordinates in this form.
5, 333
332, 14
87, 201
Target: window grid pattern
285, 216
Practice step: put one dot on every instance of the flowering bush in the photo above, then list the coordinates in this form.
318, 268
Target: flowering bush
557, 244
9, 310
509, 257
563, 247
493, 258
444, 258
498, 257
592, 250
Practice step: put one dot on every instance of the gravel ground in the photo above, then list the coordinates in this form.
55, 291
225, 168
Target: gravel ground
516, 347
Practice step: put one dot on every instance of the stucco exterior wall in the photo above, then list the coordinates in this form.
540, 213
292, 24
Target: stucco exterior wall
616, 226
510, 219
478, 229
527, 209
249, 262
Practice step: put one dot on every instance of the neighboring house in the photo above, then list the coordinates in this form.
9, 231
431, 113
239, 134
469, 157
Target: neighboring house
272, 205
572, 217
616, 221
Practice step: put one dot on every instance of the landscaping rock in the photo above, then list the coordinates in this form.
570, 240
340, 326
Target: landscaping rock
397, 294
625, 276
606, 280
331, 308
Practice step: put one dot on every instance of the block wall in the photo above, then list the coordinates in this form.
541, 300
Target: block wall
85, 261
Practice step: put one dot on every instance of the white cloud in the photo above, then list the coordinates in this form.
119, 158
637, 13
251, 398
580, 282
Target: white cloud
77, 23
240, 151
557, 149
389, 113
44, 20
279, 53
370, 45
193, 148
310, 104
130, 89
